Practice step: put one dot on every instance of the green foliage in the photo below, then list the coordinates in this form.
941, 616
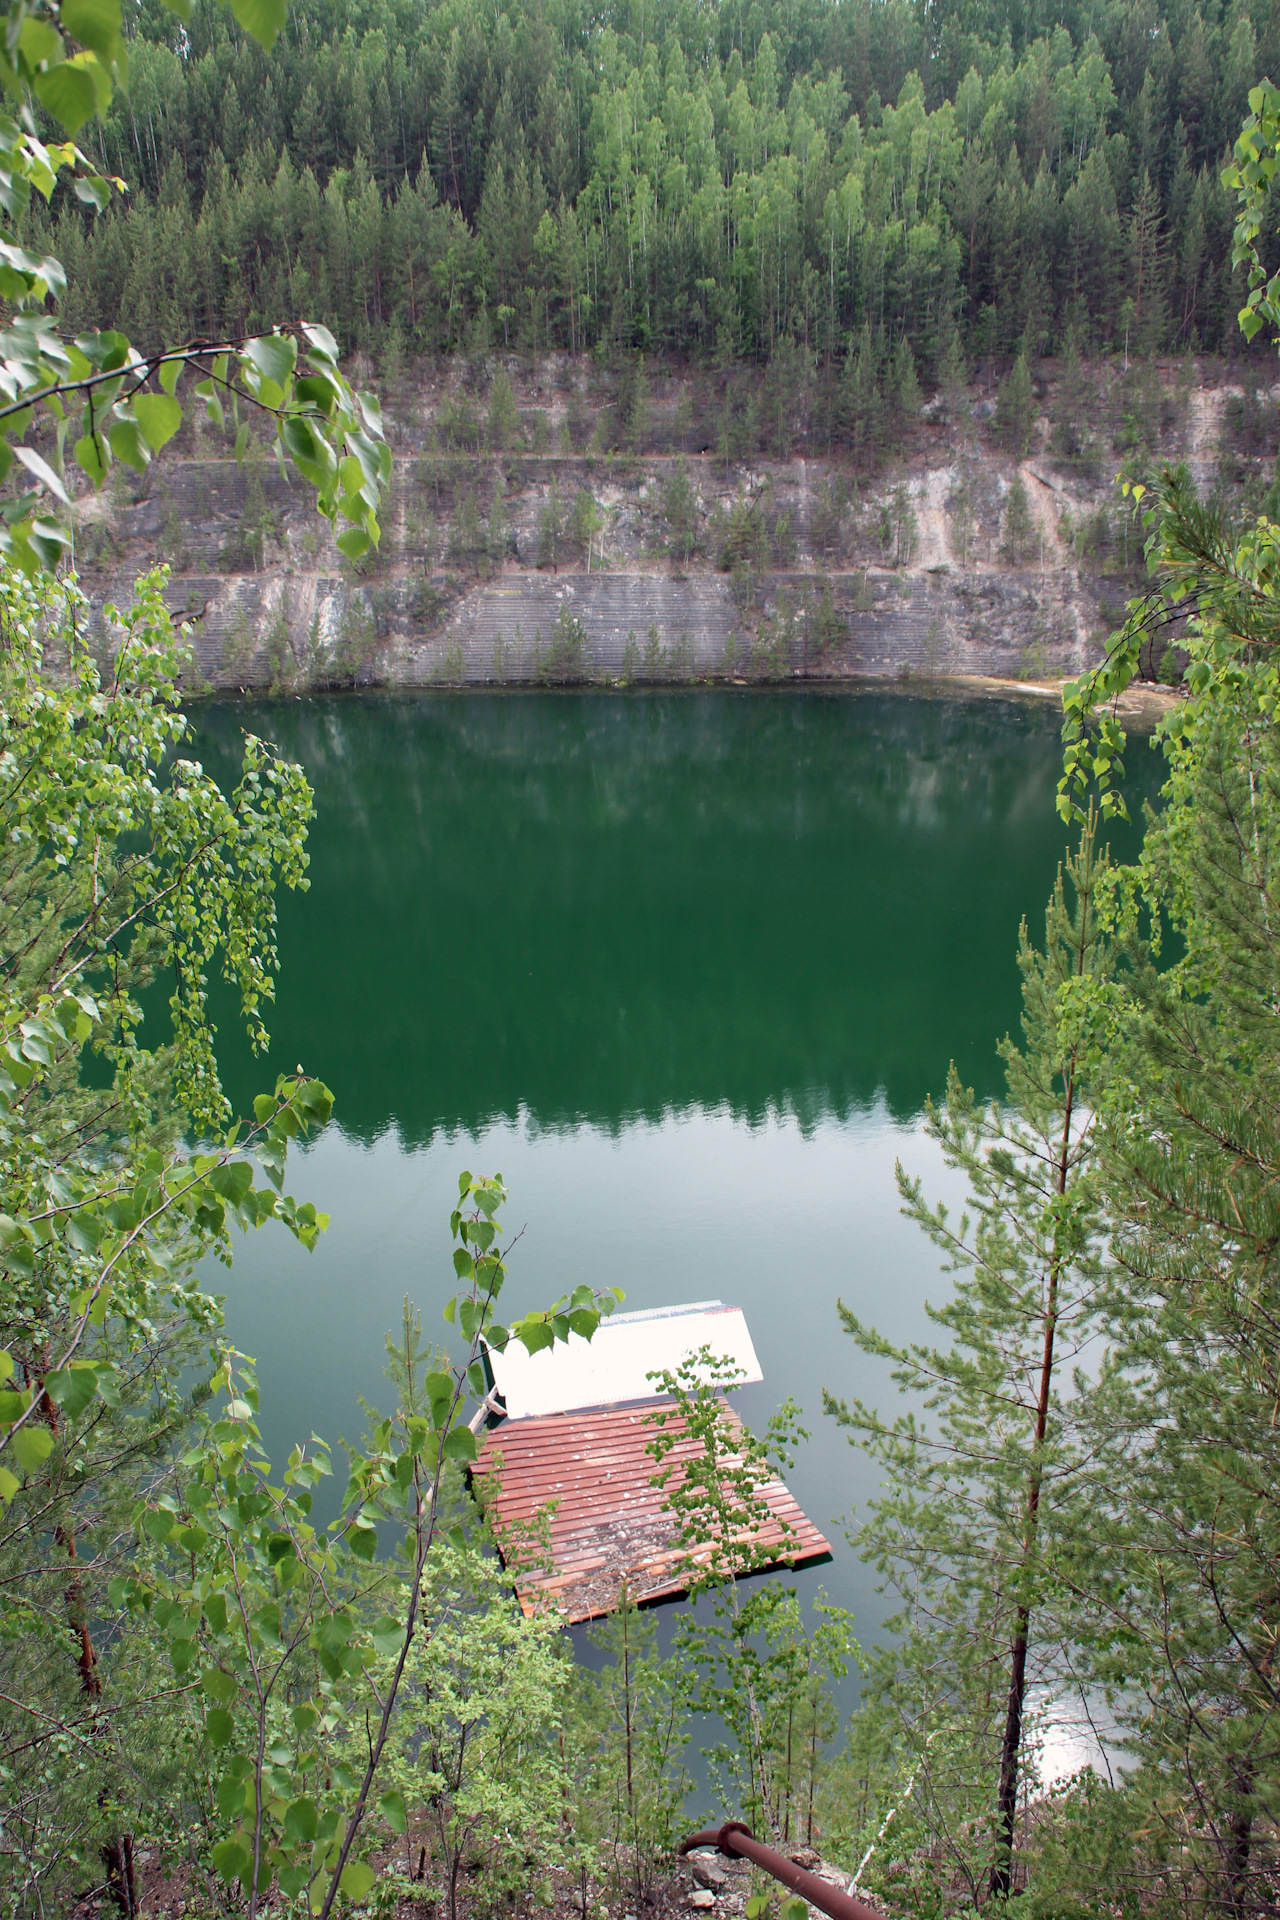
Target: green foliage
161, 1585
1253, 179
458, 425
551, 531
474, 543
1015, 408
633, 186
503, 420
1184, 1558
1016, 545
563, 660
497, 537
1114, 1534
906, 386
825, 630
1143, 411
1074, 441
279, 1615
633, 407
1097, 1833
480, 1737
827, 510
680, 513
953, 378
752, 1662
766, 1673
899, 528
962, 523
586, 524
123, 865
269, 1628
125, 868
116, 404
715, 1493
982, 1511
862, 406
1227, 585
741, 535
761, 195
631, 1729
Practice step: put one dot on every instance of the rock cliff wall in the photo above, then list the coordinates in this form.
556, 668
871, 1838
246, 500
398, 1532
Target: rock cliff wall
559, 536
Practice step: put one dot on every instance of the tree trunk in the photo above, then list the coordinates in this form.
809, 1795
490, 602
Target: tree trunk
117, 1854
122, 1890
1001, 1880
1240, 1846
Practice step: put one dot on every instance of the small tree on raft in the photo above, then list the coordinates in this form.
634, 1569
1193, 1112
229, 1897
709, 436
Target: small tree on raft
753, 1661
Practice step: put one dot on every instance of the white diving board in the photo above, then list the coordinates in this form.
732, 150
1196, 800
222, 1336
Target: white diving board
612, 1368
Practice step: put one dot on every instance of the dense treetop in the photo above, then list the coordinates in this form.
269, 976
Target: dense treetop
670, 175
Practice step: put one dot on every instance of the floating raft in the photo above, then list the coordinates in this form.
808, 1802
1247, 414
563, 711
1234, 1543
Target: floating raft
588, 1471
614, 1366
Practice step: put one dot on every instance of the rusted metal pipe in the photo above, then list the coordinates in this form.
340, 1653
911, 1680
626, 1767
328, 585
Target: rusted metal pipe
736, 1840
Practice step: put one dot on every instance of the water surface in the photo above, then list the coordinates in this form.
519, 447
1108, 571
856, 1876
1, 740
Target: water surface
683, 967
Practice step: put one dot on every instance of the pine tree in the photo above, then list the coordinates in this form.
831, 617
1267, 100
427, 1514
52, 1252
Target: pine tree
551, 531
962, 524
586, 523
979, 1507
633, 407
953, 379
904, 527
1146, 250
1016, 544
1186, 1543
503, 419
1071, 428
906, 388
1015, 408
1193, 255
862, 403
680, 512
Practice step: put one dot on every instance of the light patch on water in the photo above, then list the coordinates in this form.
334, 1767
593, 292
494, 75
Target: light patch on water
1070, 1735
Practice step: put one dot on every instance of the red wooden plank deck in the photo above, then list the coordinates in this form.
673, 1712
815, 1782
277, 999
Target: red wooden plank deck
607, 1524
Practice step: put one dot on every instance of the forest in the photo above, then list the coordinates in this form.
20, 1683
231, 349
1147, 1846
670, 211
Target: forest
676, 178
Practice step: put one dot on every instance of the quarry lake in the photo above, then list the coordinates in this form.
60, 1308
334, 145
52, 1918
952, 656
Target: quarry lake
683, 967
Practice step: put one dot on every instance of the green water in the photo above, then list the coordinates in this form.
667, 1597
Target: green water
683, 968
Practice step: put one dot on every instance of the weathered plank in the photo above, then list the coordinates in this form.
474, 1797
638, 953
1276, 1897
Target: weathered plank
589, 1478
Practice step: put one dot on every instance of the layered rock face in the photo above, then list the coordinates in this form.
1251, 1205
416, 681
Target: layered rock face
568, 532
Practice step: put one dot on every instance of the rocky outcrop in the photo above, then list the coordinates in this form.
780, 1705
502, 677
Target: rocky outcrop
549, 561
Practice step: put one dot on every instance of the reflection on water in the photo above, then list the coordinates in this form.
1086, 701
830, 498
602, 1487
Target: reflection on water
683, 967
1071, 1733
592, 906
775, 1218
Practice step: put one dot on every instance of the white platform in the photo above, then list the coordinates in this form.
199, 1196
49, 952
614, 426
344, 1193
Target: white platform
612, 1366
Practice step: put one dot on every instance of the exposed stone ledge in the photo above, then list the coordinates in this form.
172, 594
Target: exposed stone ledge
273, 605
